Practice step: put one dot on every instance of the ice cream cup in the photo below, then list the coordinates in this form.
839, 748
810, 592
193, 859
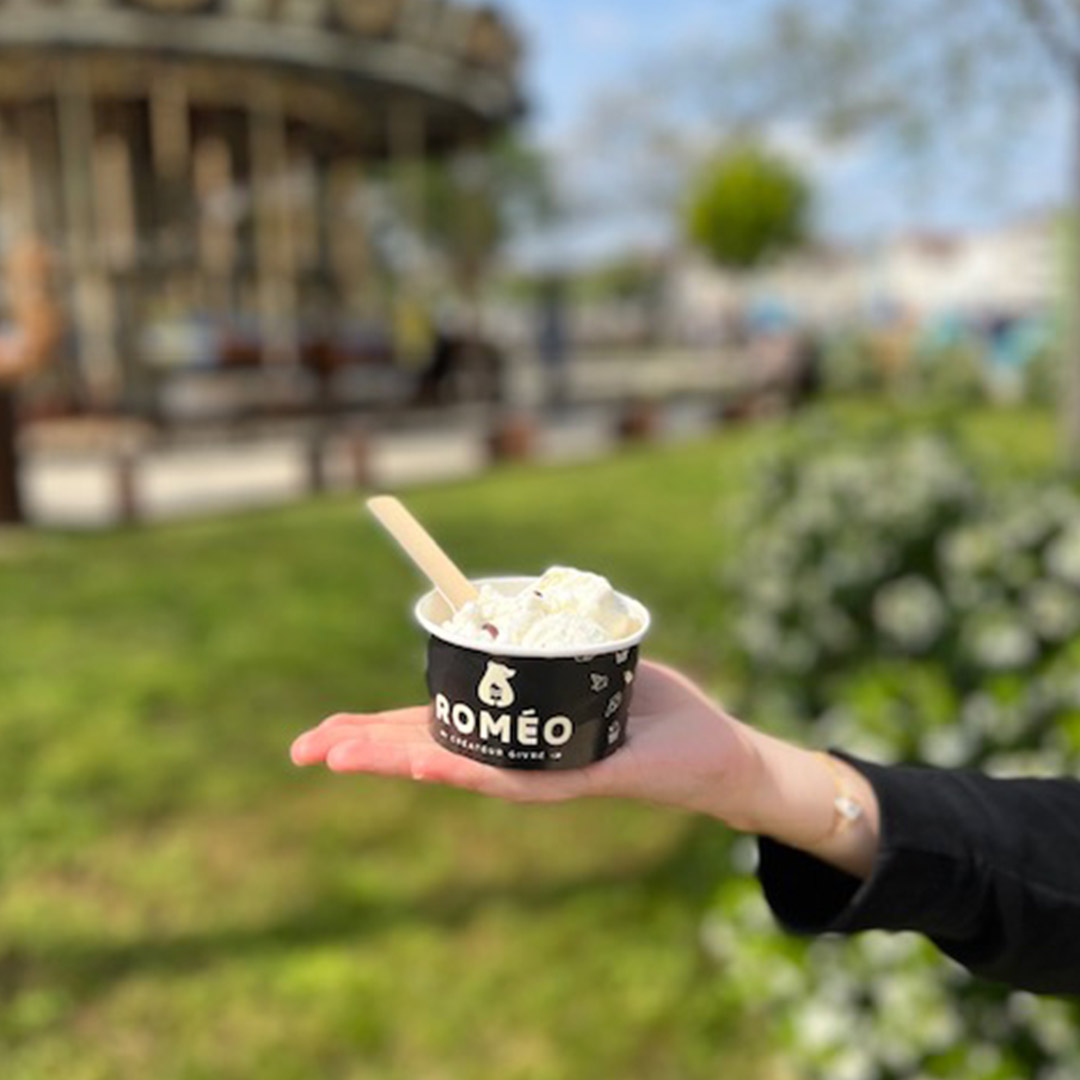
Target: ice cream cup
522, 708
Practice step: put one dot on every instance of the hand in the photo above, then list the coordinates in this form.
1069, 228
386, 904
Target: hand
682, 750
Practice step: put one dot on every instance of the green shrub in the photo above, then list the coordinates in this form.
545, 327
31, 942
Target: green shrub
849, 366
954, 374
910, 612
1042, 382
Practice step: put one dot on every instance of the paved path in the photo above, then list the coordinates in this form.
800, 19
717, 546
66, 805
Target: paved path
81, 489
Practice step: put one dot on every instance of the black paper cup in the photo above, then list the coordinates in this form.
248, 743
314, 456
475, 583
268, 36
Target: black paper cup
522, 708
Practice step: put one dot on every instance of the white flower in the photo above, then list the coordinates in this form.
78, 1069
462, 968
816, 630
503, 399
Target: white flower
839, 728
716, 937
834, 629
759, 635
744, 855
1018, 568
969, 551
1063, 556
767, 591
851, 562
1053, 1024
1001, 643
948, 747
911, 612
819, 1027
796, 653
853, 1063
1066, 1071
1054, 609
980, 713
887, 950
983, 1060
1025, 763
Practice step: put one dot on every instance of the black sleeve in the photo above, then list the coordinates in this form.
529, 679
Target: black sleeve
988, 869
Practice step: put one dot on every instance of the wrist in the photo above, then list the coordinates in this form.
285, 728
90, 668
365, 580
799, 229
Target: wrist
789, 798
745, 792
814, 802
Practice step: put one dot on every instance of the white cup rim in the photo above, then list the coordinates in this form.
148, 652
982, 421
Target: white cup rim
638, 611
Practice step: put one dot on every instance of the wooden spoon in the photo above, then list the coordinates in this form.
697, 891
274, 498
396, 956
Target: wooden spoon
420, 546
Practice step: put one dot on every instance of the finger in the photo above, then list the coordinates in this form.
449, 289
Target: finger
429, 762
412, 714
311, 746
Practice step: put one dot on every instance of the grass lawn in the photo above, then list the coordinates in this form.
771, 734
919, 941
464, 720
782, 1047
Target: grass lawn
176, 901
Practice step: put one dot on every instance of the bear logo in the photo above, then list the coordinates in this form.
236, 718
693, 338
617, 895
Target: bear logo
622, 657
628, 677
599, 682
613, 731
613, 705
495, 689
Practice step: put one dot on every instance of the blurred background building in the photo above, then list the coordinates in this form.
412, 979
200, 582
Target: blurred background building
286, 234
198, 167
1011, 270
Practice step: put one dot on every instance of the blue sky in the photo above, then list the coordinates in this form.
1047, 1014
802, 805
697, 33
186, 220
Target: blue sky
577, 49
580, 50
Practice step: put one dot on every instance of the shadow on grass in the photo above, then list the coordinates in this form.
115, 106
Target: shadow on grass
83, 969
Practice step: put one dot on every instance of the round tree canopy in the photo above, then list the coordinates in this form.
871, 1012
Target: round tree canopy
747, 206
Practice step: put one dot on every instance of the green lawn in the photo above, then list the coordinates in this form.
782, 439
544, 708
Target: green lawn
176, 901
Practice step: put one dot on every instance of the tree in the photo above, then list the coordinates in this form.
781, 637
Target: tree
465, 208
1058, 28
925, 78
747, 206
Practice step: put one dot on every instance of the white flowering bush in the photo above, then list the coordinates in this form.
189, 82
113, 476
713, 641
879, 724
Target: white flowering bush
950, 372
956, 373
1042, 377
910, 612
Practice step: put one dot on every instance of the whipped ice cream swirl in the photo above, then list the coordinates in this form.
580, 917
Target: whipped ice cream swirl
563, 608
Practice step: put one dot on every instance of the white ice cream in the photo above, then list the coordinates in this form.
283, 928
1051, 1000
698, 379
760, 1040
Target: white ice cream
564, 608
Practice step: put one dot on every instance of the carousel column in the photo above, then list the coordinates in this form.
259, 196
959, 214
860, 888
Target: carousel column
408, 147
275, 257
407, 143
319, 348
214, 180
118, 240
16, 183
92, 299
171, 154
324, 224
346, 237
349, 260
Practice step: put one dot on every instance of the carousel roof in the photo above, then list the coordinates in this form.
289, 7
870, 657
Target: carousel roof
459, 62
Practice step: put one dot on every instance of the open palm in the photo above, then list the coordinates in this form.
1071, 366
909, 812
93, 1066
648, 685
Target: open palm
682, 750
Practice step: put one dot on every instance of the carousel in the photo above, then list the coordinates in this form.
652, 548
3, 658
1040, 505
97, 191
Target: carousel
201, 160
194, 174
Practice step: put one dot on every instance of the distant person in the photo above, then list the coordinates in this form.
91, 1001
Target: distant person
806, 365
435, 385
988, 869
461, 366
552, 339
26, 346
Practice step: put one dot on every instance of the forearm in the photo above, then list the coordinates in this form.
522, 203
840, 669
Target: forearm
792, 800
985, 868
